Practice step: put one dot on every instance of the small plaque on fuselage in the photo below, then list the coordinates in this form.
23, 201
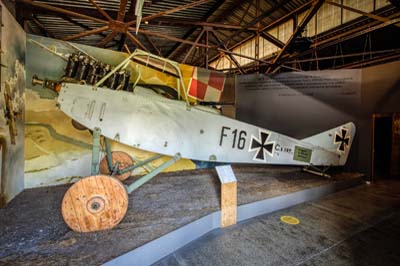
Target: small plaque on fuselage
302, 154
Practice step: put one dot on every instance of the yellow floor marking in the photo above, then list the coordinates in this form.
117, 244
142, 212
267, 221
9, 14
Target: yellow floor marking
290, 219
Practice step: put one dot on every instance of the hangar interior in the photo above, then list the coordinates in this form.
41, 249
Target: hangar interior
210, 132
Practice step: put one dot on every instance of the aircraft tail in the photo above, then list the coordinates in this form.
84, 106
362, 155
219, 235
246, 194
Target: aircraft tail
337, 140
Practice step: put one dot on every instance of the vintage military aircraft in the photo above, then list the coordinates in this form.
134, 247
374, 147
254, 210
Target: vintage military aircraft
147, 120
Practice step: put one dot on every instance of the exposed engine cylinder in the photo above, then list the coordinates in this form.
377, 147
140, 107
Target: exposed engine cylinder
86, 71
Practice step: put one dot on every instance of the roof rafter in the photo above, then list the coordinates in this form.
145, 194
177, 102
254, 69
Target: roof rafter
276, 7
107, 39
272, 39
170, 11
85, 33
343, 37
316, 6
216, 6
193, 46
121, 11
153, 44
101, 11
42, 27
63, 11
115, 27
271, 25
190, 23
231, 57
370, 15
136, 41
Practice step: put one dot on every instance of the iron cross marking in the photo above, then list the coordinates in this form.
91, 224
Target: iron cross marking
342, 139
261, 146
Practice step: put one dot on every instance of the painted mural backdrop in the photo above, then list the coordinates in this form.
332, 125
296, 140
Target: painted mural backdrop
56, 152
11, 107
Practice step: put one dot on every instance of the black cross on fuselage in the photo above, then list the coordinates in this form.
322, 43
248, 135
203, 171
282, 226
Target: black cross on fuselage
261, 145
342, 139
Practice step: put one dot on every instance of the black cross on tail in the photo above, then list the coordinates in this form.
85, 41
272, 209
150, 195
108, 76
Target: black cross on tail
261, 146
342, 139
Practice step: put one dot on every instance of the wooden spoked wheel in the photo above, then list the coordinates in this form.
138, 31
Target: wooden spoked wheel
94, 203
122, 158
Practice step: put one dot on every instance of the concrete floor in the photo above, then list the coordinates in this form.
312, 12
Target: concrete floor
359, 226
33, 232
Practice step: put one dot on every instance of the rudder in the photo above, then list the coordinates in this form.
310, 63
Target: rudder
337, 140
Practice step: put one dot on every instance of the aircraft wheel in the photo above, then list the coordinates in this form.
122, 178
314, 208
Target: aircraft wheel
122, 158
94, 203
77, 125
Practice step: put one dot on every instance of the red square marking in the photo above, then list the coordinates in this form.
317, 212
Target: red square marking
197, 89
216, 80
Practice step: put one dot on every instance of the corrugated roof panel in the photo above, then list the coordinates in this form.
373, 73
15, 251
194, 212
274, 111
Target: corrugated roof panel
232, 12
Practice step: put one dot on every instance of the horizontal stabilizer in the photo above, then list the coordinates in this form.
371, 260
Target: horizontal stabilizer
337, 140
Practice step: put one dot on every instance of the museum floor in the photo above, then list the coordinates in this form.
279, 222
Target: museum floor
358, 226
33, 232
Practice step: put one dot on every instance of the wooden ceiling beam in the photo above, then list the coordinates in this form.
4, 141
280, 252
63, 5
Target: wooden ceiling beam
272, 39
171, 38
107, 39
232, 58
116, 26
244, 56
63, 11
267, 13
230, 9
170, 11
83, 26
86, 33
42, 27
369, 61
215, 7
121, 11
189, 23
370, 15
315, 7
153, 44
355, 32
193, 46
28, 28
160, 35
135, 41
245, 12
334, 57
348, 35
343, 37
289, 15
128, 17
25, 10
272, 24
101, 11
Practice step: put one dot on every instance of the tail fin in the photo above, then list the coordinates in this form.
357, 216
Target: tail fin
337, 140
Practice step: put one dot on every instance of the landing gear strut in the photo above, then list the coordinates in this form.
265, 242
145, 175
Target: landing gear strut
99, 202
317, 171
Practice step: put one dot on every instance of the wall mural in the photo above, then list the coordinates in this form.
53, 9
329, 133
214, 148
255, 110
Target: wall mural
13, 46
55, 151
